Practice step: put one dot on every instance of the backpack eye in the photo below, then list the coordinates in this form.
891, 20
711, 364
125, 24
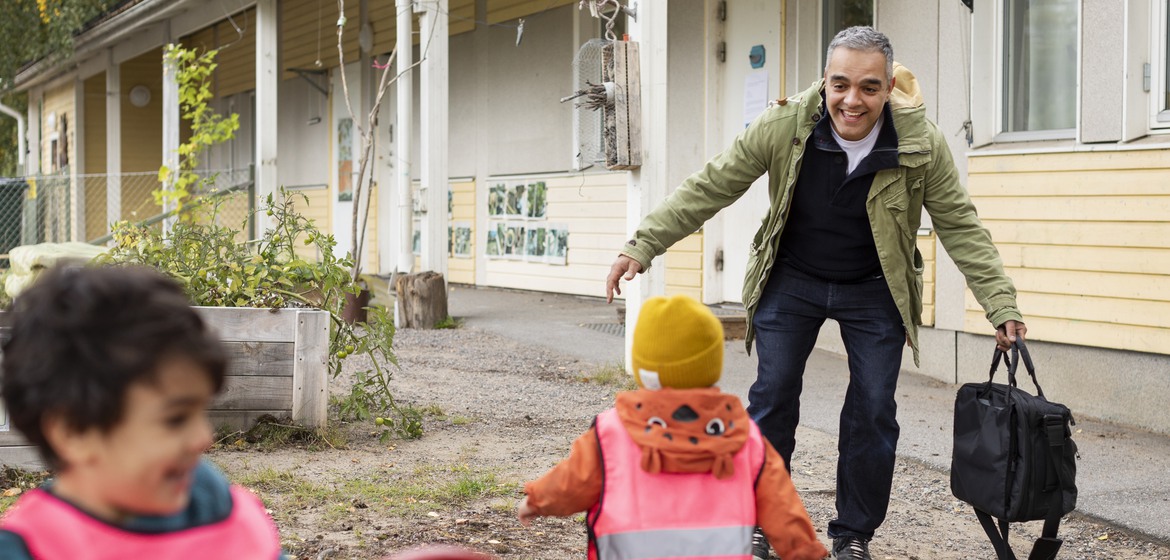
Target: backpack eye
656, 421
715, 427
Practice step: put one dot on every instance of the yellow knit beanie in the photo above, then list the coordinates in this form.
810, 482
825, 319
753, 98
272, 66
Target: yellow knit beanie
678, 343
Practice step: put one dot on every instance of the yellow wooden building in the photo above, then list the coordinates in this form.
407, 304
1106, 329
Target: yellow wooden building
1059, 120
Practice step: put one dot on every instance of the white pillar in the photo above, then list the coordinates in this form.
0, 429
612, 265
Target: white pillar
170, 134
76, 182
367, 81
267, 81
434, 53
113, 140
33, 163
402, 137
647, 186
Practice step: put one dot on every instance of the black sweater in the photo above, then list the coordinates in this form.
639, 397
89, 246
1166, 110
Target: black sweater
828, 234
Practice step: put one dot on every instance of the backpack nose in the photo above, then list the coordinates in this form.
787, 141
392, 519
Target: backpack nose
685, 413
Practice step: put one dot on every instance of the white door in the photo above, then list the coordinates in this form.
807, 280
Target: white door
749, 23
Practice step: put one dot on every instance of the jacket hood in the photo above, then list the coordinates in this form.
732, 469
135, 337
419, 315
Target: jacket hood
906, 92
685, 430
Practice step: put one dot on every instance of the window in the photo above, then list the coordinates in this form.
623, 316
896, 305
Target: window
1039, 66
1160, 65
840, 14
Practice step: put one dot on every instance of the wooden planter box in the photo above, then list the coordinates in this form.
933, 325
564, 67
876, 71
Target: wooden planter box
278, 364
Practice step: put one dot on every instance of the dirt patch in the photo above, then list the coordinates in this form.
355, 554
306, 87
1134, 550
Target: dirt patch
498, 413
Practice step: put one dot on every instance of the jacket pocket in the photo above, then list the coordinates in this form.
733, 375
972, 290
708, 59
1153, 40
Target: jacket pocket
896, 199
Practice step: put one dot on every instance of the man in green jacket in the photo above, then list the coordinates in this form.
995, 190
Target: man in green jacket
838, 242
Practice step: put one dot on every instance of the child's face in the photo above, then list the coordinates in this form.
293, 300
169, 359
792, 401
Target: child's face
144, 464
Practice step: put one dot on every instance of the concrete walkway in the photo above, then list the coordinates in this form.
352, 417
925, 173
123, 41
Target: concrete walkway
1121, 475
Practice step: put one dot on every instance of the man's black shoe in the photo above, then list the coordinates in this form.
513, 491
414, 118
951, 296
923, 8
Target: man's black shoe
850, 548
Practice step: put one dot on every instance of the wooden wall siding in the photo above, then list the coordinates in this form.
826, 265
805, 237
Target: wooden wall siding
371, 243
58, 100
308, 32
141, 135
500, 11
95, 124
94, 188
142, 126
684, 267
462, 269
317, 209
926, 246
593, 208
1086, 238
236, 70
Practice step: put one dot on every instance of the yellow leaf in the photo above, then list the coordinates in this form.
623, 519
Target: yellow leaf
12, 492
1104, 537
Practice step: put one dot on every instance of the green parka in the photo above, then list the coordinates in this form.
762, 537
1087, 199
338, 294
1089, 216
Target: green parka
926, 177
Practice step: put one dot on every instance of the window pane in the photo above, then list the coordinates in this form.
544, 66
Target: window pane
839, 14
1040, 65
1166, 60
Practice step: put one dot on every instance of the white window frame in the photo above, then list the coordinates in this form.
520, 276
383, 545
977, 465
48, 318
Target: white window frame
998, 84
1160, 52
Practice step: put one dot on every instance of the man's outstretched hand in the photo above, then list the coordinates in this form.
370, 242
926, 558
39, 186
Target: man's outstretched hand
623, 268
1006, 334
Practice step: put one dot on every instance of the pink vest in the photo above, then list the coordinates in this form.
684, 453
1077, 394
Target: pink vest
671, 515
54, 529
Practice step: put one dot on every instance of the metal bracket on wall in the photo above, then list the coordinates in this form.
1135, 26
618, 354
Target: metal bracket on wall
304, 74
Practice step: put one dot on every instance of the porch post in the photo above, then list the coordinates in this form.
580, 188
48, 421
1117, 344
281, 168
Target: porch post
76, 201
113, 140
434, 52
267, 82
170, 135
647, 185
403, 135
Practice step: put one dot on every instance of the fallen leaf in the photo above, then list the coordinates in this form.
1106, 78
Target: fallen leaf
1104, 537
12, 492
432, 514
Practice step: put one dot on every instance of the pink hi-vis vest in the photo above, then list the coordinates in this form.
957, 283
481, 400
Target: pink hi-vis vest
671, 515
53, 529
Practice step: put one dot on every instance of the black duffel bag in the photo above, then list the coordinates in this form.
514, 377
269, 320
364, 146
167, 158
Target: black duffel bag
1014, 458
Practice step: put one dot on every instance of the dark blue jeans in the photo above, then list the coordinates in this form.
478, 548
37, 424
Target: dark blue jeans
792, 309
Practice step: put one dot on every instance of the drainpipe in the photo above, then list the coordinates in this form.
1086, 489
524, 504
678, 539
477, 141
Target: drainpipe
20, 139
404, 135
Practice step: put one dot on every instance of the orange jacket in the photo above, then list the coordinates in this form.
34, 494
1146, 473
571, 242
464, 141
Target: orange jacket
574, 485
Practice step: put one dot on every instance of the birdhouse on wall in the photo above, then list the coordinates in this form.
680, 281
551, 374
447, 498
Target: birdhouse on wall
608, 116
623, 117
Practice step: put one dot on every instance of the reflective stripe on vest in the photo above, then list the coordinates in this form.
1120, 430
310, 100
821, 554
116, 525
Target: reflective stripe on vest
671, 515
53, 529
713, 542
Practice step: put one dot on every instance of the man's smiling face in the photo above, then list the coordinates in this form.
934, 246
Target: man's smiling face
856, 89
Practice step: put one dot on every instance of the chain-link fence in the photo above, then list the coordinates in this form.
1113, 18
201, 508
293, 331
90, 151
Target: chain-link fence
33, 210
38, 209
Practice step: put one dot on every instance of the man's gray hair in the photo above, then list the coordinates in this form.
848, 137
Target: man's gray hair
866, 39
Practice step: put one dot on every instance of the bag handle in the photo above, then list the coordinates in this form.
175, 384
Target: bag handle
1019, 349
1000, 354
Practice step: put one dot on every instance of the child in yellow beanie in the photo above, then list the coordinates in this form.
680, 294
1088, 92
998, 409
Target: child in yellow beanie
677, 468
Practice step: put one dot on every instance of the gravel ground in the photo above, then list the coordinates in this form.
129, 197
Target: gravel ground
499, 413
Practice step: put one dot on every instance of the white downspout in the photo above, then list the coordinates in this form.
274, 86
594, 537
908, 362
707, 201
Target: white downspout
20, 139
404, 135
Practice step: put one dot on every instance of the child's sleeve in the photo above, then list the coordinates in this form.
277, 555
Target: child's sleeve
781, 514
572, 486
